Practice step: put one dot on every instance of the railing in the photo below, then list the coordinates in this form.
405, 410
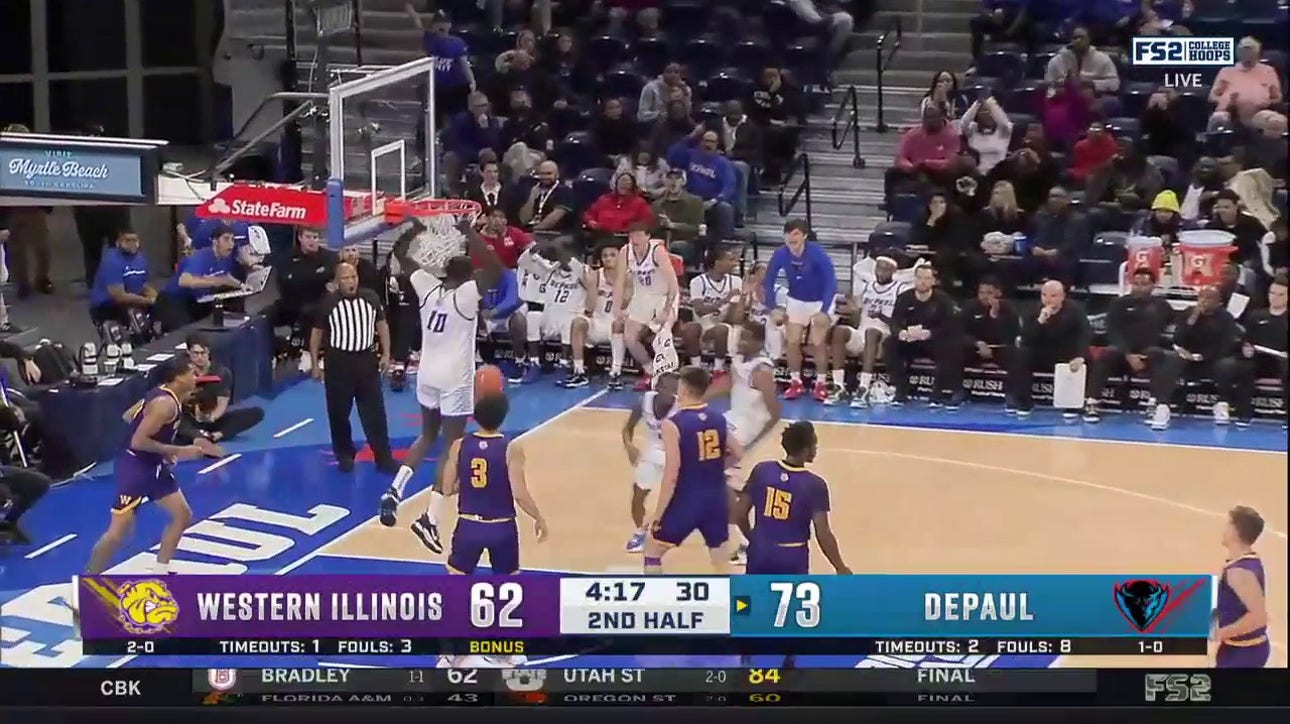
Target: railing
883, 54
802, 163
850, 108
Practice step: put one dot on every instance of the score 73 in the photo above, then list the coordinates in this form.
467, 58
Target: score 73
804, 596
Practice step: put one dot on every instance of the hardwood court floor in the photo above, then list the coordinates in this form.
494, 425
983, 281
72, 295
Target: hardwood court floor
909, 500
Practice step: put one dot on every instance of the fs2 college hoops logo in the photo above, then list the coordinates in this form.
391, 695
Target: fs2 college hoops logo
141, 607
1178, 52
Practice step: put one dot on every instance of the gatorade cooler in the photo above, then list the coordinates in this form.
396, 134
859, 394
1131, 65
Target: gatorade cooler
1145, 252
1204, 253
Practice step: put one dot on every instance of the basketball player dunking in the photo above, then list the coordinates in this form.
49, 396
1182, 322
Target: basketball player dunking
145, 468
655, 298
446, 374
647, 461
1242, 611
489, 470
596, 325
693, 496
754, 407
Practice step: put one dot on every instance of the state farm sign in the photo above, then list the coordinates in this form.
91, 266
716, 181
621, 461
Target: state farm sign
267, 205
278, 204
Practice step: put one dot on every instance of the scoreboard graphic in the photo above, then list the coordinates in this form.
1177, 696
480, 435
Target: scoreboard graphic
891, 615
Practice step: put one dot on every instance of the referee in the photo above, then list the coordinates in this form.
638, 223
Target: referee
351, 320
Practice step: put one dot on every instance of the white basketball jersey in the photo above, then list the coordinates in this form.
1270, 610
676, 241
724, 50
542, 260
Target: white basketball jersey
875, 297
711, 291
747, 406
652, 450
604, 300
448, 329
530, 269
644, 271
759, 310
562, 290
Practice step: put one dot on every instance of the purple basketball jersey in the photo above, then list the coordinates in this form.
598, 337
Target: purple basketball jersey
785, 500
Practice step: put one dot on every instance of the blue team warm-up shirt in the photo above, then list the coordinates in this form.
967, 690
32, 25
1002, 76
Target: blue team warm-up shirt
201, 263
449, 53
811, 277
118, 267
200, 230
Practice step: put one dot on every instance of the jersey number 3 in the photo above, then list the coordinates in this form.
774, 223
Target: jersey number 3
478, 473
438, 320
709, 445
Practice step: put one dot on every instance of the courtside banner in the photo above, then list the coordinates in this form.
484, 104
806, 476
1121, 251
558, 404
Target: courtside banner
78, 169
159, 608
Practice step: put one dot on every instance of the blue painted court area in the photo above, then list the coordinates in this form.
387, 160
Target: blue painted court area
278, 499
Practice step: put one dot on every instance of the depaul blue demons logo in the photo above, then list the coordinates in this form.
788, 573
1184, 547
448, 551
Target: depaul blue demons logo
141, 607
1173, 52
1147, 603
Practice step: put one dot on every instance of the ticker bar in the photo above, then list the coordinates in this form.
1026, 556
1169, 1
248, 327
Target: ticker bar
637, 645
643, 687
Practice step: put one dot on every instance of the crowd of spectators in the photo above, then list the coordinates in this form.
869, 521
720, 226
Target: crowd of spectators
584, 116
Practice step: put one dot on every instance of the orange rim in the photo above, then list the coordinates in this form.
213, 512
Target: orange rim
398, 210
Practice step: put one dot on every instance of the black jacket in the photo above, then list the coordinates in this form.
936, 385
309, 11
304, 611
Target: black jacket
1249, 233
1068, 233
303, 280
1065, 336
1212, 336
1266, 329
1133, 323
936, 314
980, 326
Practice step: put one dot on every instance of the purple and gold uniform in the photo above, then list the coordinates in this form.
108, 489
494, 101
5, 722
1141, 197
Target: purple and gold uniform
699, 501
1251, 650
785, 499
486, 507
140, 475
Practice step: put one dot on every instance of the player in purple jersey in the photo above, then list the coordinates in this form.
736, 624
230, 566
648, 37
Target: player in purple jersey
144, 469
785, 500
489, 470
1242, 613
697, 449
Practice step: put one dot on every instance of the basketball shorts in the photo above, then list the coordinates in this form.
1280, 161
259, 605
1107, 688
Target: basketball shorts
855, 344
649, 473
801, 313
137, 483
502, 325
777, 560
555, 325
456, 402
644, 308
1242, 657
710, 519
744, 429
472, 538
599, 330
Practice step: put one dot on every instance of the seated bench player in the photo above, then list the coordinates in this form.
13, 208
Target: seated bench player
864, 323
503, 311
563, 289
712, 296
596, 325
486, 469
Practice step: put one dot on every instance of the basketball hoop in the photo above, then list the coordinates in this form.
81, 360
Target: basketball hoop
441, 239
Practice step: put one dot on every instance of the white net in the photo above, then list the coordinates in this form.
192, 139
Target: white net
440, 241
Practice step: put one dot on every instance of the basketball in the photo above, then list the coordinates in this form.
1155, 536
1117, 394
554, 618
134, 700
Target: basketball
488, 381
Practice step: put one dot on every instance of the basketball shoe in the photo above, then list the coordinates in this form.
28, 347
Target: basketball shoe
427, 533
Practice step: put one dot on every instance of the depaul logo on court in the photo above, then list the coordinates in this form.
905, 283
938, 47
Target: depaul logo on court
1172, 52
141, 607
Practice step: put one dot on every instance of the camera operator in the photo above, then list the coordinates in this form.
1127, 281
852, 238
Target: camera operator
209, 414
20, 489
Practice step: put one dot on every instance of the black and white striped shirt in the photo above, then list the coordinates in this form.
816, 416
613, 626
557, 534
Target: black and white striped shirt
349, 323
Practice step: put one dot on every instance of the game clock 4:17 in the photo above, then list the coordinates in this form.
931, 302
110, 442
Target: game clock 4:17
615, 591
